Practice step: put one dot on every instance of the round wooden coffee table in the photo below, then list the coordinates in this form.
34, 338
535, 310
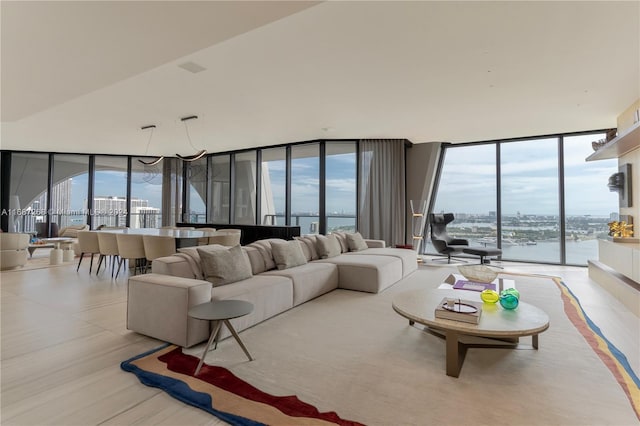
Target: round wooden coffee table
498, 327
221, 311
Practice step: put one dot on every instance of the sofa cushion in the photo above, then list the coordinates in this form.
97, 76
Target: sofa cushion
342, 239
288, 254
310, 244
328, 246
270, 296
366, 273
256, 260
408, 257
310, 280
356, 242
264, 247
224, 265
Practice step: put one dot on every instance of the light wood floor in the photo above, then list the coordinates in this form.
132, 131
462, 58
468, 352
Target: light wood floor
64, 335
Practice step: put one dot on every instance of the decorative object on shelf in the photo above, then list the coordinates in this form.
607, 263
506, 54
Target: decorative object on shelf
599, 144
418, 216
157, 160
508, 298
621, 183
489, 296
198, 155
480, 273
620, 229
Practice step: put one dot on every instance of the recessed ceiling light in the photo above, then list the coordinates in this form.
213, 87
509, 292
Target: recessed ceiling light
192, 67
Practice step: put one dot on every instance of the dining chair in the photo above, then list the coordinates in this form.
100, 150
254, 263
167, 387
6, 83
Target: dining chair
156, 247
226, 237
203, 241
108, 247
130, 247
87, 244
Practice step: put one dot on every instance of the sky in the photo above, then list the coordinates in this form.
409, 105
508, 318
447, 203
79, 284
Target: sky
529, 174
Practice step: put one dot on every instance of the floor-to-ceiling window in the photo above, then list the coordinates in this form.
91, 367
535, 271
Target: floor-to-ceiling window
530, 200
305, 187
146, 194
110, 191
589, 205
28, 193
468, 189
219, 188
70, 189
340, 186
524, 214
273, 186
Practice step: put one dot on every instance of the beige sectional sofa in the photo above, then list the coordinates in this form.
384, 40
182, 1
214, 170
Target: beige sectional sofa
283, 274
13, 250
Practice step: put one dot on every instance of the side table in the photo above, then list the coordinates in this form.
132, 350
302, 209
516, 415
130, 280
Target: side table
221, 311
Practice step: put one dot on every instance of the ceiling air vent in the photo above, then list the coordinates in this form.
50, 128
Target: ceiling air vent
192, 67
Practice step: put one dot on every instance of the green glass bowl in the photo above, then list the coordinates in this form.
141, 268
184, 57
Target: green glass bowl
513, 291
508, 301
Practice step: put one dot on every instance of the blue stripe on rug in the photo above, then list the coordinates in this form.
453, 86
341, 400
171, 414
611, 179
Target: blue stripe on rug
181, 391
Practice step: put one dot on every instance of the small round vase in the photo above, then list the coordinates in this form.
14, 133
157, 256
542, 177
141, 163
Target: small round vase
513, 291
489, 296
508, 301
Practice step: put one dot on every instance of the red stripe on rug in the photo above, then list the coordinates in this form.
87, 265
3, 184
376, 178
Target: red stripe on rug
224, 379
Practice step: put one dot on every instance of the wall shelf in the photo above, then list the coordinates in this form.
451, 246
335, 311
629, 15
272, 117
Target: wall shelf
620, 145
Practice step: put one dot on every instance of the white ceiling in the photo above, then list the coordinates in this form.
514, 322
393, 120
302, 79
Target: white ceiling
85, 76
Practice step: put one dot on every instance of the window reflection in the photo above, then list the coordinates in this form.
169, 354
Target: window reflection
146, 194
219, 189
110, 192
305, 187
273, 188
245, 188
340, 184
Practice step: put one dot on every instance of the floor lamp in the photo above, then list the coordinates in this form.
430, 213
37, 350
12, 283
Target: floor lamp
418, 214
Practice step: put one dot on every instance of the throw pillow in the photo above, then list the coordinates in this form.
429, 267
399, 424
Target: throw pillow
224, 265
342, 239
327, 246
288, 254
356, 242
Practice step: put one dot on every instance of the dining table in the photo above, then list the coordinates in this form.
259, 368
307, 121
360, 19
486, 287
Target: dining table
183, 237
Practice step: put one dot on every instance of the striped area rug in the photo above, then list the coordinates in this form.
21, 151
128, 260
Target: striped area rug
611, 356
219, 392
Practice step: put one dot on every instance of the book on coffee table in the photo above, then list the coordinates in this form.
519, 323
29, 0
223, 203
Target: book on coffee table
473, 285
460, 310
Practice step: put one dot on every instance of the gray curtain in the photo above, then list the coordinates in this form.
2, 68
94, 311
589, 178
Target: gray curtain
381, 190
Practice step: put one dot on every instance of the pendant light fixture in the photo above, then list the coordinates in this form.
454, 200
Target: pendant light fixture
198, 154
157, 160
